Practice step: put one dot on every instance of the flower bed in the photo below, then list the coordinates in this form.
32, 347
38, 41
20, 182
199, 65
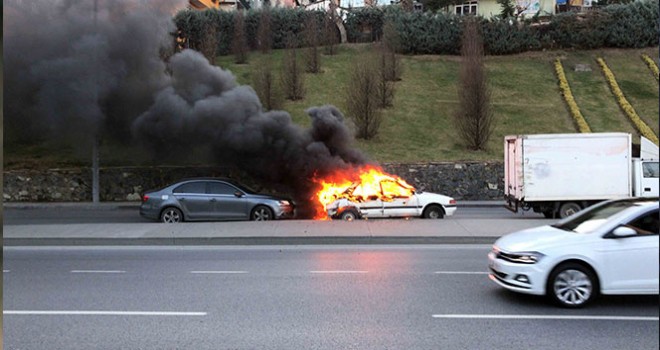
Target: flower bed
581, 123
639, 124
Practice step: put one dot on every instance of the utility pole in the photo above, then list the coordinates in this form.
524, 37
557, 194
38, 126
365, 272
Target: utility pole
95, 141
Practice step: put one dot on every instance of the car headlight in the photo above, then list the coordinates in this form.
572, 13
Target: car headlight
521, 258
284, 203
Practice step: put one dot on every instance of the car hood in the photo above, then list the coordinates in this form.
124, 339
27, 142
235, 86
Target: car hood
536, 238
428, 197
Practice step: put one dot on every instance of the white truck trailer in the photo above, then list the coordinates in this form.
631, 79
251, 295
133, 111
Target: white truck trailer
560, 174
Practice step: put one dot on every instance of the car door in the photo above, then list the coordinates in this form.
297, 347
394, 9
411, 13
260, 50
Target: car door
193, 200
228, 202
632, 263
398, 201
649, 182
368, 202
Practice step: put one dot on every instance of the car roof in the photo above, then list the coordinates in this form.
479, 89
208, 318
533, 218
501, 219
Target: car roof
207, 179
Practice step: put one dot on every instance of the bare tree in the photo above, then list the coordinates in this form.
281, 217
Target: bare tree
312, 40
385, 88
239, 45
390, 44
361, 101
474, 119
208, 46
330, 39
266, 86
264, 32
292, 76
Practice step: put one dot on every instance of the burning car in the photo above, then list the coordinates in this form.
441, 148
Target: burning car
380, 195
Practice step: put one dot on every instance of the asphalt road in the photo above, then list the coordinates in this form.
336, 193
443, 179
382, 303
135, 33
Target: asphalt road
294, 297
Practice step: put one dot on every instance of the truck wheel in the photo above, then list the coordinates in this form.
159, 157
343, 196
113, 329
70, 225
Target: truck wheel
568, 209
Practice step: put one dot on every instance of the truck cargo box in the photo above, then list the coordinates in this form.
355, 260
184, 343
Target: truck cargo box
562, 167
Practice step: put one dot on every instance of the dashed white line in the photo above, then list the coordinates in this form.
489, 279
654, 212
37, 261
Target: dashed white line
97, 271
218, 272
4, 271
339, 271
99, 313
551, 317
460, 273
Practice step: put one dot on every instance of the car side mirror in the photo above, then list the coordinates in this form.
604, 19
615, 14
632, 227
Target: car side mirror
621, 232
238, 194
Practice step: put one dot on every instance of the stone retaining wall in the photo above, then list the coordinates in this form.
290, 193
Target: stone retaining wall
463, 181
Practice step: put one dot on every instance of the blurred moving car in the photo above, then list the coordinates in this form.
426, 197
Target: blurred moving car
212, 199
609, 248
392, 199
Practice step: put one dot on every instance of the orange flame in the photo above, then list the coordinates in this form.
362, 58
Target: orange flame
358, 185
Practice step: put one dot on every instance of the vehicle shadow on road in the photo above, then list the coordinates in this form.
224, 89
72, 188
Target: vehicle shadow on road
627, 302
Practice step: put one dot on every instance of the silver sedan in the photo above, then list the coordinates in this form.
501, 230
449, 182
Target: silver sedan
205, 199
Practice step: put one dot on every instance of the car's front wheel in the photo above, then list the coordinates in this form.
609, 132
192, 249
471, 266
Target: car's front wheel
171, 215
261, 213
433, 212
572, 285
349, 215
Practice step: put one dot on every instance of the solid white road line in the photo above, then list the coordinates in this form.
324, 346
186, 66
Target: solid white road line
460, 273
218, 272
552, 317
339, 271
100, 313
97, 271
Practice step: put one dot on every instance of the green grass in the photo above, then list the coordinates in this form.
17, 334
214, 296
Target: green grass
524, 94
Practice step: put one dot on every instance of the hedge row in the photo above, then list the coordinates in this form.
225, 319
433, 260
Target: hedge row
632, 25
652, 66
639, 124
580, 122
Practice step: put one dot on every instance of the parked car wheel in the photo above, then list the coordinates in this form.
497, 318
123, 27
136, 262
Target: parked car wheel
434, 212
349, 215
171, 215
261, 213
568, 209
572, 285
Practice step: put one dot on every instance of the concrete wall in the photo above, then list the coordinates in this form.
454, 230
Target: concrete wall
463, 181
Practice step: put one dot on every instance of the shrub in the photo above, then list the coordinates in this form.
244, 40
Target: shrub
362, 104
579, 120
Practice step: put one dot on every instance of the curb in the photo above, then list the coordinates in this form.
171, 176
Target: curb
230, 241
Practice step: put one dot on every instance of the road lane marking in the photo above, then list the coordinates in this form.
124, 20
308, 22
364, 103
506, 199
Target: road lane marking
460, 273
339, 271
218, 272
97, 271
3, 271
99, 313
552, 317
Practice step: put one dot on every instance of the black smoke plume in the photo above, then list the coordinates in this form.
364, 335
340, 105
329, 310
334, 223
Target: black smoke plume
70, 73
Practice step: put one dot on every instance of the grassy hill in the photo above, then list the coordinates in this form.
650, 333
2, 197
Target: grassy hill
525, 97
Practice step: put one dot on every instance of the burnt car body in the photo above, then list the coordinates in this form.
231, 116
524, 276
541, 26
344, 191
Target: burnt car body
206, 199
390, 203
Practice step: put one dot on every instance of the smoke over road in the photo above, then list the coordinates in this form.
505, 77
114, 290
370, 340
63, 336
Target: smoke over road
63, 68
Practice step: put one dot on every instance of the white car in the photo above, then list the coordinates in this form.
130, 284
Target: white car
389, 203
610, 248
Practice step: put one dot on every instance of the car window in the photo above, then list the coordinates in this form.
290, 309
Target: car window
651, 169
592, 218
647, 224
393, 189
220, 188
191, 187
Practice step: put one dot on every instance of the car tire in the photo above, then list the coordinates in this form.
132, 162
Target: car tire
349, 215
572, 285
261, 213
171, 215
433, 212
568, 209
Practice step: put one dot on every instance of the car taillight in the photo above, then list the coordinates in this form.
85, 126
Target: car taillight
453, 201
145, 198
